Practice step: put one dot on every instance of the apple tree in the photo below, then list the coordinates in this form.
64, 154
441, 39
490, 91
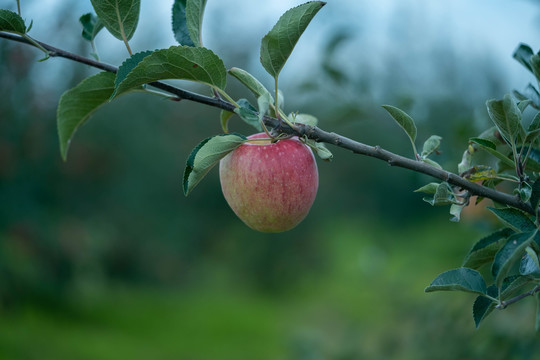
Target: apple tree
270, 179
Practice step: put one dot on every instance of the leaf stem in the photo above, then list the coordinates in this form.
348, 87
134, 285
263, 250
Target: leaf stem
19, 7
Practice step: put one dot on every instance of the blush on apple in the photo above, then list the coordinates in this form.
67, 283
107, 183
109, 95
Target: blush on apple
270, 186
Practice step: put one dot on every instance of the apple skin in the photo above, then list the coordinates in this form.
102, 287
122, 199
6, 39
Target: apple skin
270, 186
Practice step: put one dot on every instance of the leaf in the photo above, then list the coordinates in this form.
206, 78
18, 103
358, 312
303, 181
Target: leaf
535, 64
506, 116
91, 26
483, 306
522, 105
206, 155
430, 188
481, 173
514, 218
534, 129
179, 23
531, 93
278, 44
443, 196
305, 119
248, 113
263, 102
490, 147
523, 55
524, 192
533, 161
431, 145
177, 62
224, 117
466, 160
405, 121
126, 68
432, 163
455, 211
513, 283
535, 194
250, 82
194, 18
484, 250
120, 17
461, 279
529, 263
537, 322
11, 22
76, 105
509, 254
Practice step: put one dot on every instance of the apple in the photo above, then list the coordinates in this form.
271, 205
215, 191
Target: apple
270, 186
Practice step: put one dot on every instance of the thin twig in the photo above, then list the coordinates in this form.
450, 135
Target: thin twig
506, 303
311, 132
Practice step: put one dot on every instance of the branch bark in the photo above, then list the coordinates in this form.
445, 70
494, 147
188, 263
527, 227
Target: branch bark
311, 132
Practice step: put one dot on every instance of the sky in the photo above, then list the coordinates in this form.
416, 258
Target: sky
403, 28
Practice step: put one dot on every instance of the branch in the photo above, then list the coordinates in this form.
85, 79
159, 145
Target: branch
311, 132
505, 303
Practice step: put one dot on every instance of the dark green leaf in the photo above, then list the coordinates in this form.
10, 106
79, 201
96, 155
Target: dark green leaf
523, 54
120, 17
506, 116
430, 188
179, 23
514, 218
512, 284
177, 62
483, 306
194, 19
405, 121
248, 113
127, 66
535, 65
76, 105
11, 22
278, 44
250, 82
461, 279
533, 161
484, 250
224, 117
206, 155
91, 26
490, 147
509, 254
535, 194
431, 145
529, 263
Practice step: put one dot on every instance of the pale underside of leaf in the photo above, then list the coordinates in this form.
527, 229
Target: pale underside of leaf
120, 17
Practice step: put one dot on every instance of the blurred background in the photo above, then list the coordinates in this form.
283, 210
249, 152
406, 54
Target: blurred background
102, 256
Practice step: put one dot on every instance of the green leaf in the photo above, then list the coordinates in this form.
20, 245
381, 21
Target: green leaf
537, 322
179, 23
514, 218
206, 155
533, 161
278, 44
431, 145
248, 113
177, 62
512, 284
443, 196
509, 254
11, 22
535, 194
250, 82
524, 192
535, 64
194, 18
529, 263
432, 163
430, 188
263, 102
126, 68
523, 104
320, 149
490, 147
120, 17
455, 211
534, 129
305, 119
506, 116
483, 306
461, 279
224, 117
76, 105
405, 121
484, 250
91, 26
523, 54
530, 93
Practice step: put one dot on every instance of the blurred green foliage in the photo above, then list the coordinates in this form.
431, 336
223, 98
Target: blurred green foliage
103, 257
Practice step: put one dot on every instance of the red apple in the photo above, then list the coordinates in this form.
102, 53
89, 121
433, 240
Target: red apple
270, 186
